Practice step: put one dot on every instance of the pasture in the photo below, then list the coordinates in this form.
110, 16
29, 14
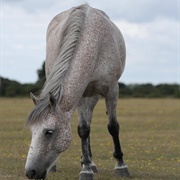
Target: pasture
150, 131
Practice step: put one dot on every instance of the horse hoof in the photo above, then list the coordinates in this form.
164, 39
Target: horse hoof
94, 167
121, 171
86, 176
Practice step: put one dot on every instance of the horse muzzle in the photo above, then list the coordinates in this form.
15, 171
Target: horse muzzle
35, 174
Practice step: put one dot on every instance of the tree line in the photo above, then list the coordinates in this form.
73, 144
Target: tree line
149, 91
10, 88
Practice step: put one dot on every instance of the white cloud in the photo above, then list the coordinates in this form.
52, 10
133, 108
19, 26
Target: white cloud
23, 43
150, 29
152, 51
139, 10
135, 11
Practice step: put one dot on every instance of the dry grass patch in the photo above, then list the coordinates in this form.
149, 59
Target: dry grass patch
150, 134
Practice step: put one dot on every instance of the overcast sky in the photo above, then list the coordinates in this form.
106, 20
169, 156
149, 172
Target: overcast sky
150, 29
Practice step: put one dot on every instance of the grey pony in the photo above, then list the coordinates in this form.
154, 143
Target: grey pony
85, 57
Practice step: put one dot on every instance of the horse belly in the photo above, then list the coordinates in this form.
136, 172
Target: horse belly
95, 88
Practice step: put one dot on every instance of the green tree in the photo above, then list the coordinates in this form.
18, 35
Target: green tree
144, 90
124, 91
41, 75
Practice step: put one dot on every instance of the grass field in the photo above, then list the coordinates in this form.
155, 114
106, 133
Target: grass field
150, 137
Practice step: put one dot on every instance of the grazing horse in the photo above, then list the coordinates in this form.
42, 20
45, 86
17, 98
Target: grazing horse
85, 57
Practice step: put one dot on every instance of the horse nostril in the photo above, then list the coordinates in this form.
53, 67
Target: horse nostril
31, 174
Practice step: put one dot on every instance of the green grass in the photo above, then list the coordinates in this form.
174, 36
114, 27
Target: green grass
150, 131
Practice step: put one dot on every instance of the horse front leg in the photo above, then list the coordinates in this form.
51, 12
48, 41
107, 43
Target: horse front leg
121, 169
85, 109
93, 165
86, 172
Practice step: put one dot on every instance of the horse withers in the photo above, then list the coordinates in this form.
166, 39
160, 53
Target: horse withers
85, 57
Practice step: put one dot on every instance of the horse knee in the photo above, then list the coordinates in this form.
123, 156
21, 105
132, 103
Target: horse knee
113, 128
83, 131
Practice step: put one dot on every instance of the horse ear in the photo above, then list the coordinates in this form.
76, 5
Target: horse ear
60, 93
55, 99
52, 100
34, 98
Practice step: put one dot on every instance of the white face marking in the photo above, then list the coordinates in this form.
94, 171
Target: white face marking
36, 143
48, 139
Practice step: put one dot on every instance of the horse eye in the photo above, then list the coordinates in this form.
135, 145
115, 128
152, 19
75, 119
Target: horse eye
49, 132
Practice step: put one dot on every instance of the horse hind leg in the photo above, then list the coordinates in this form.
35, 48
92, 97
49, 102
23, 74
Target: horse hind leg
85, 109
121, 169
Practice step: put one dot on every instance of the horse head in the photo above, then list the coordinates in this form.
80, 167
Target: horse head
50, 136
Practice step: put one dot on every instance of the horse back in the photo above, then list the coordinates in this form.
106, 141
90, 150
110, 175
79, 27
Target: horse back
99, 55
